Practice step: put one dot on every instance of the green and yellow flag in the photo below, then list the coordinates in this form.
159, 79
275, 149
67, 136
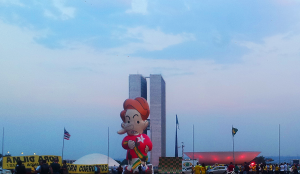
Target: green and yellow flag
234, 130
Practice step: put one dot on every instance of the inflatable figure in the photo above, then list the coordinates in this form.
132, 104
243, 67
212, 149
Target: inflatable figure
137, 144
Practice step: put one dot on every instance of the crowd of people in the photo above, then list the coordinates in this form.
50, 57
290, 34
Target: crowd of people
283, 168
117, 170
142, 168
43, 168
247, 168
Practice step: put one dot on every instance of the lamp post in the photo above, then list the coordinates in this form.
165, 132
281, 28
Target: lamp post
182, 150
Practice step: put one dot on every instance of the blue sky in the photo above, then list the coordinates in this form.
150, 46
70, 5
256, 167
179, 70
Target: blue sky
66, 63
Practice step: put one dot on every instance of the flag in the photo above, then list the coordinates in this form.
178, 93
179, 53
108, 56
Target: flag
66, 135
177, 123
234, 130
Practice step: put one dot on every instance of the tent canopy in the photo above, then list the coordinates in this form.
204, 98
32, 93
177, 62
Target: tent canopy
96, 158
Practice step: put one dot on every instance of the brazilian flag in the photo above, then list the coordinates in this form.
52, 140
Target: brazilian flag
234, 130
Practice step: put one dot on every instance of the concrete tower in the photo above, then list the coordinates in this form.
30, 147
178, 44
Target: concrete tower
138, 88
158, 117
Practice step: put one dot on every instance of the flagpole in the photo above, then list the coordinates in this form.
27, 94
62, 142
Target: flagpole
108, 147
193, 144
62, 153
176, 143
2, 146
233, 147
279, 143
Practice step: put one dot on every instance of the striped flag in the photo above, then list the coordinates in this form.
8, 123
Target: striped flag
177, 123
66, 135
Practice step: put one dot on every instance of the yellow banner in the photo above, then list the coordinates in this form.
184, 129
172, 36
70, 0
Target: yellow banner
10, 162
50, 159
82, 168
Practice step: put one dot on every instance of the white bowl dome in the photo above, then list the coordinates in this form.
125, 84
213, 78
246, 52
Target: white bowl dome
96, 158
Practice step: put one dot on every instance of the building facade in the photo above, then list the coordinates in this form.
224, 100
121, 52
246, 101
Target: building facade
138, 88
158, 117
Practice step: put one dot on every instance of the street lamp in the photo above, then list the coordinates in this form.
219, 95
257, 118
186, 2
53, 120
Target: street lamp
182, 150
34, 153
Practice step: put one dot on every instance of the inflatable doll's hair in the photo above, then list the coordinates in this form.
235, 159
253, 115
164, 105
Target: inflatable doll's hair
140, 104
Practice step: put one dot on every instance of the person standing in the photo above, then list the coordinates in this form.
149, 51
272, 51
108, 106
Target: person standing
120, 169
115, 169
193, 169
254, 169
38, 168
197, 169
236, 169
97, 169
288, 168
144, 168
203, 169
44, 168
262, 168
55, 167
64, 168
271, 169
241, 169
281, 168
266, 169
140, 169
257, 169
33, 170
276, 169
295, 169
246, 168
230, 167
20, 168
285, 168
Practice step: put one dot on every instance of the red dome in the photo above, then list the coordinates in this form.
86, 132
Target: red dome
222, 157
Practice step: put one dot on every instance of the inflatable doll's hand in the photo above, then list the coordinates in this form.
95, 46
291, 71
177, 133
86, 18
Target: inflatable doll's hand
146, 149
131, 144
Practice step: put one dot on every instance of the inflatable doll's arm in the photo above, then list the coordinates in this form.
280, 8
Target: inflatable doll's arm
125, 144
148, 142
128, 144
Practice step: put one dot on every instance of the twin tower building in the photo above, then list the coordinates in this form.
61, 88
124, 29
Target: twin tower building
138, 88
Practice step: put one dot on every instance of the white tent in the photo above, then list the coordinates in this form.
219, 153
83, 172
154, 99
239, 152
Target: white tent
96, 158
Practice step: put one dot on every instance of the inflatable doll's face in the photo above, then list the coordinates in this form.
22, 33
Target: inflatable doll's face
134, 124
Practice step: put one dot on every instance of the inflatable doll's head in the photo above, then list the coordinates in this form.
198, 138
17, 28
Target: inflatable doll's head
134, 116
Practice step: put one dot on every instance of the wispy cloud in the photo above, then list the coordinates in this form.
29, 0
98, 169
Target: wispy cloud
138, 6
260, 81
150, 40
280, 44
12, 2
62, 12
